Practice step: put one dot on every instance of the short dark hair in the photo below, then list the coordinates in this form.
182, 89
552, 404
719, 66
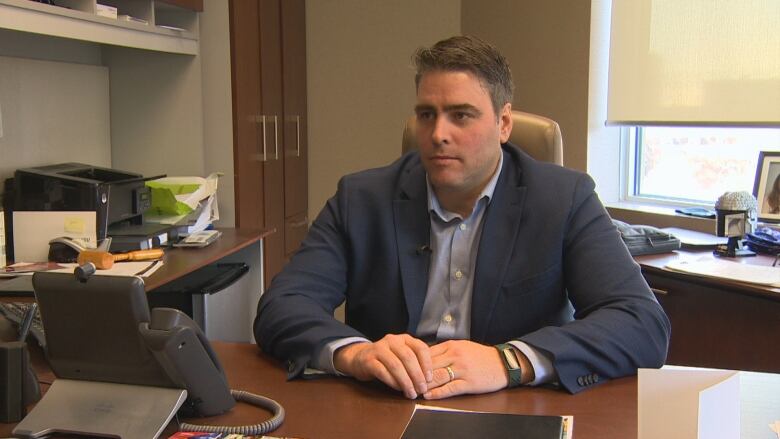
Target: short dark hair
469, 54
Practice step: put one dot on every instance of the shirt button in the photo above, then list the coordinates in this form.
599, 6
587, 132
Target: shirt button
458, 274
448, 318
462, 226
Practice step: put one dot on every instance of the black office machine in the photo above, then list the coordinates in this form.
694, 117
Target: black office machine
118, 198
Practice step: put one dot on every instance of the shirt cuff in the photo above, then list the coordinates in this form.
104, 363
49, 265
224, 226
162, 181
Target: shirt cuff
544, 372
324, 360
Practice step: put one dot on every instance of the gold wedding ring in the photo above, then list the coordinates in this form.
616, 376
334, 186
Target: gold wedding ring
450, 373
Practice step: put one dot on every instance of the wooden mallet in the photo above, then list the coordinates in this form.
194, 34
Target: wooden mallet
105, 260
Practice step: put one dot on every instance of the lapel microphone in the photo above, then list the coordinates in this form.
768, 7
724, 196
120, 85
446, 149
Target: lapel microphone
423, 248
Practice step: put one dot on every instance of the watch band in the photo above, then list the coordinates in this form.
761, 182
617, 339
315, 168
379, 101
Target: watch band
512, 364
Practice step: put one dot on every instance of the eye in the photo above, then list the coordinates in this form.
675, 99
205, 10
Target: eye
461, 116
425, 115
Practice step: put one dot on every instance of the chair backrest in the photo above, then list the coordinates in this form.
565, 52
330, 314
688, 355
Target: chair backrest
538, 136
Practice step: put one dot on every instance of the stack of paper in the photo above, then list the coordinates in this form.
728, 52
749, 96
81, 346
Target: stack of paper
724, 269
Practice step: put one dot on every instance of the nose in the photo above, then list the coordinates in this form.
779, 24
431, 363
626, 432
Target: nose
440, 134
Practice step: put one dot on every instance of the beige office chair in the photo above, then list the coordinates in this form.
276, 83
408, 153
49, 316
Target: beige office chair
538, 136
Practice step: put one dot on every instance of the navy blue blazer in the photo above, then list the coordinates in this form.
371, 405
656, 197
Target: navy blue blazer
551, 271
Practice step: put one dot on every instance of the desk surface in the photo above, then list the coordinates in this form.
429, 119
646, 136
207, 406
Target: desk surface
656, 264
181, 261
337, 408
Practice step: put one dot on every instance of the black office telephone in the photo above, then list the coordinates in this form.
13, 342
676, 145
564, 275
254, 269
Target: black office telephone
100, 329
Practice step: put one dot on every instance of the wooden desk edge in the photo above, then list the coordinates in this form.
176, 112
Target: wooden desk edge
232, 241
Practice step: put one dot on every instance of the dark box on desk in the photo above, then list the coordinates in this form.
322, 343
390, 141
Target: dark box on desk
12, 367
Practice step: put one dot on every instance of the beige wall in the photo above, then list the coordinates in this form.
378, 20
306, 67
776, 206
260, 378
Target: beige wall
218, 104
547, 46
360, 81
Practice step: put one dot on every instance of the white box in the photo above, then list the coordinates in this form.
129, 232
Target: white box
688, 403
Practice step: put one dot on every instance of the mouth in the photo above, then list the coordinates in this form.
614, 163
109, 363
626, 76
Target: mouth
442, 159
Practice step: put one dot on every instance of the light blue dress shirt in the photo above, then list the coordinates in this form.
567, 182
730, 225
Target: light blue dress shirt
446, 314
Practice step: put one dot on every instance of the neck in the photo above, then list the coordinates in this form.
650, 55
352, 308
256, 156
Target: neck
457, 202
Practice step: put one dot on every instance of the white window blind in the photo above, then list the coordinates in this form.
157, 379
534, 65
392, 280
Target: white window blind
695, 62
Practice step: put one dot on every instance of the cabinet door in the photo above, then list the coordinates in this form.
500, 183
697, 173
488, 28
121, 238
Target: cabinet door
269, 23
247, 130
295, 117
268, 43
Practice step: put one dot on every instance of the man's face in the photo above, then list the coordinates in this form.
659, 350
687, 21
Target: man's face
458, 133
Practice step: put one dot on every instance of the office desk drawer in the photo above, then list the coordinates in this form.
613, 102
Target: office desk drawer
718, 327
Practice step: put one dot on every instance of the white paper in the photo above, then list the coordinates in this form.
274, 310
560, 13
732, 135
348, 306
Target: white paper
33, 231
719, 411
757, 274
669, 402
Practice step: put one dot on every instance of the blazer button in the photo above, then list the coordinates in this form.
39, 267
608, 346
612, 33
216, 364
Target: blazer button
595, 378
581, 381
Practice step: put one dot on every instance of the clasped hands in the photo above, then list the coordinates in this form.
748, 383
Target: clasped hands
409, 365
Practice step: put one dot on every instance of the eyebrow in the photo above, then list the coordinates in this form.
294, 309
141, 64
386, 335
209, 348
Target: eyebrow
449, 108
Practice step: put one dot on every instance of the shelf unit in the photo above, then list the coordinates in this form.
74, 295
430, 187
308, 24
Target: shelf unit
77, 19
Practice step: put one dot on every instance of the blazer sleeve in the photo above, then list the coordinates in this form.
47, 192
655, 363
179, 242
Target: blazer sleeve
618, 325
295, 316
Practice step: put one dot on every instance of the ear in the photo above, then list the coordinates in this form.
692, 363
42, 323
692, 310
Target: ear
505, 122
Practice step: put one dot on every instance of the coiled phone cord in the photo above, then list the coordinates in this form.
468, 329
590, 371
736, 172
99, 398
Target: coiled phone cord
246, 430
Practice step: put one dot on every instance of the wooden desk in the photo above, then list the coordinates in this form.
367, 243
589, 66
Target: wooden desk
716, 322
179, 262
338, 408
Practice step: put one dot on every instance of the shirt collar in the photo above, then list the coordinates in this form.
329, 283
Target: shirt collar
487, 192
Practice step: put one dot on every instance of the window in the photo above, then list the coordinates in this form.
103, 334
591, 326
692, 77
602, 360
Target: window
693, 165
689, 81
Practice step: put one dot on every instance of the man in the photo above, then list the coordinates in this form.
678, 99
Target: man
466, 266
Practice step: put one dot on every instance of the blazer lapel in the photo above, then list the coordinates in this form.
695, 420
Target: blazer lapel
412, 231
499, 234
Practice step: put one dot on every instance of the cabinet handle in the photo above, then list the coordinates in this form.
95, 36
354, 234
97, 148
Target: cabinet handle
301, 223
297, 136
261, 120
658, 292
276, 138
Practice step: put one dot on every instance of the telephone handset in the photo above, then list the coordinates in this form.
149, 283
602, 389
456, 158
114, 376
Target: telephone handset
184, 353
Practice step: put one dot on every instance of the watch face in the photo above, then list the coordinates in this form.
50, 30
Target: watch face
511, 358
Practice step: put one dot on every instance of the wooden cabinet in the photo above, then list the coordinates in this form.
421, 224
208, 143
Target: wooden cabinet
268, 52
717, 323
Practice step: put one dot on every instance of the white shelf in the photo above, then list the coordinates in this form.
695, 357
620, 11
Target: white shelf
85, 25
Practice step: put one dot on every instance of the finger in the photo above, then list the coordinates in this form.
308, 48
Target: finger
455, 387
412, 370
423, 353
396, 369
440, 378
439, 349
380, 372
